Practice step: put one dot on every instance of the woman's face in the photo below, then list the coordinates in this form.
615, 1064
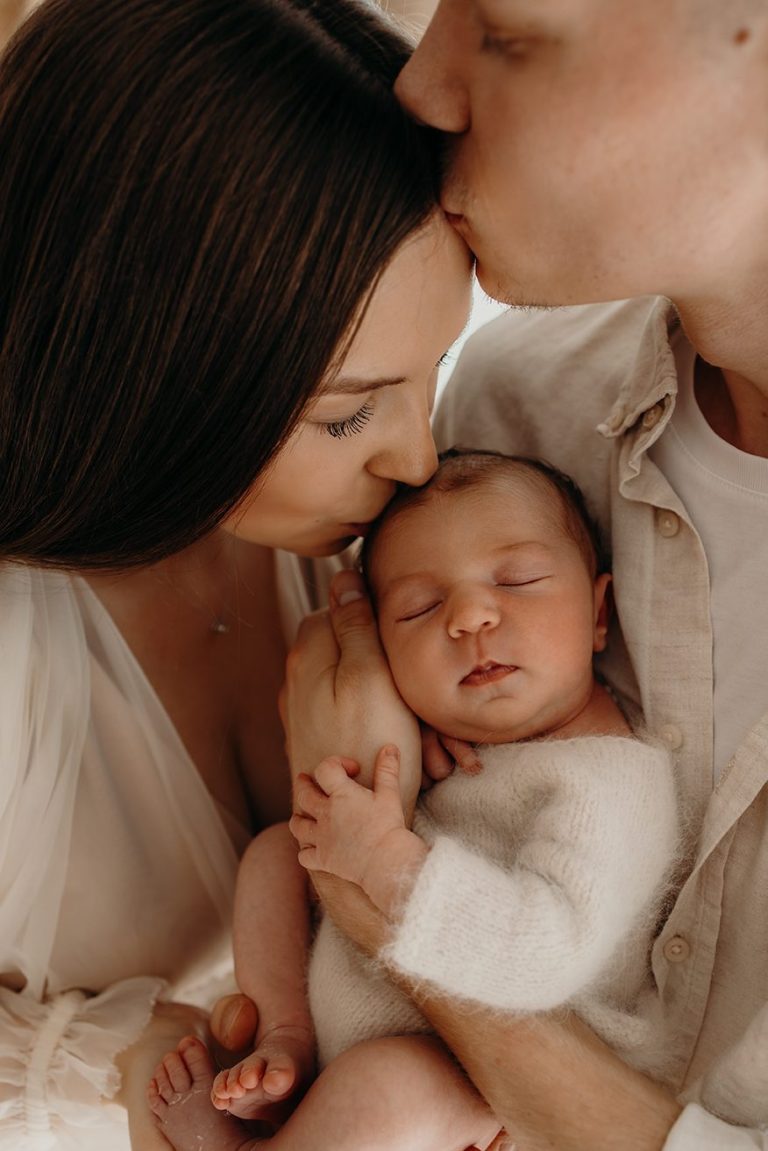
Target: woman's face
367, 428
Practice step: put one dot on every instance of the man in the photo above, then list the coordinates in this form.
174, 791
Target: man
606, 149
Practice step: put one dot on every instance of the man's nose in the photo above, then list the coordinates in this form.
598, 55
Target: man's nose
431, 85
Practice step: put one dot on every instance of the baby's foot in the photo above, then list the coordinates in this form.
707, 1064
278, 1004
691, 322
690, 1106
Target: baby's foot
179, 1097
281, 1068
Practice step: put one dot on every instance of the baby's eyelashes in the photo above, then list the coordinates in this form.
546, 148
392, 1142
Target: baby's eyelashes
416, 612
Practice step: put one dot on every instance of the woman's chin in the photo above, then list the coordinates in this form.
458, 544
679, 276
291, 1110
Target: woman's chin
328, 548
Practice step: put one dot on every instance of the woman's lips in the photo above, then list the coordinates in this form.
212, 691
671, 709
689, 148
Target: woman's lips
489, 672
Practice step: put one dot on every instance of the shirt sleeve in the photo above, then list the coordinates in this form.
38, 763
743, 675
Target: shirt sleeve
57, 1060
698, 1130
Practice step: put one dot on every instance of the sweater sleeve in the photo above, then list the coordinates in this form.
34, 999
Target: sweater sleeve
698, 1130
530, 936
57, 1062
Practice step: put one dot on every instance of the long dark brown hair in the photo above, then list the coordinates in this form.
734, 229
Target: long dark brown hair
196, 199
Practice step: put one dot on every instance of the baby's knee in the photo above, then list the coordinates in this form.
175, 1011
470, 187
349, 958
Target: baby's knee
416, 1094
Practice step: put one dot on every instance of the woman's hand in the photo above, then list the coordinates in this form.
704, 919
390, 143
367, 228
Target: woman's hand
339, 697
358, 834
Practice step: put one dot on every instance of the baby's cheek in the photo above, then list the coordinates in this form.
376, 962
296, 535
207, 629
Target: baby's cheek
408, 672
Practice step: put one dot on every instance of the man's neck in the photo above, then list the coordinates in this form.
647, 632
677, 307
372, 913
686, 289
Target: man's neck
732, 382
734, 407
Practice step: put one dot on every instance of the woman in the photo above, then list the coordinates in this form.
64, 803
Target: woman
226, 288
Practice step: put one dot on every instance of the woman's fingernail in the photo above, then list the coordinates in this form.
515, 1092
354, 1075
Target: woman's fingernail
346, 588
232, 1013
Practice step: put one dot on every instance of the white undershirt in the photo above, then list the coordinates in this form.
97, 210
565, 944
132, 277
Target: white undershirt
725, 492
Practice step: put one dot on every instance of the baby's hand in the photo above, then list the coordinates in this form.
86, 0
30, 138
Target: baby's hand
357, 834
441, 753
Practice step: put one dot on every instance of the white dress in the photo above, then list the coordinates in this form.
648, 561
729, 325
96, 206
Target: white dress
117, 868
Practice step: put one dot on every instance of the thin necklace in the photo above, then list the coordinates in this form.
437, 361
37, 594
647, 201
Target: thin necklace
218, 621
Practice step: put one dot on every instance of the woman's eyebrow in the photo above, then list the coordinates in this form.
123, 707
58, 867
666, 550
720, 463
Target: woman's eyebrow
350, 386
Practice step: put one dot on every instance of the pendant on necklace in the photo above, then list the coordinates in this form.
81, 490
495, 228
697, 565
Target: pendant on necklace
218, 627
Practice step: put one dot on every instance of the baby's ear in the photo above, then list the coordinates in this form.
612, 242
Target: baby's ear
603, 600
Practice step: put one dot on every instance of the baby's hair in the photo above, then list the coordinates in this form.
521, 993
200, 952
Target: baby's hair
461, 468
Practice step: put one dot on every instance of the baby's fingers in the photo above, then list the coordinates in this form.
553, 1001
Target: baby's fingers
331, 773
303, 830
308, 799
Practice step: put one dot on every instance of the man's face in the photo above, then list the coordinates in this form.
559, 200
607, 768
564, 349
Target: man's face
603, 148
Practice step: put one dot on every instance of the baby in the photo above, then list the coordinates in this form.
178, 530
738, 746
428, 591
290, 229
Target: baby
532, 884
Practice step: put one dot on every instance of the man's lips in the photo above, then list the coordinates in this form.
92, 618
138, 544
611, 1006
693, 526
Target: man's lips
488, 672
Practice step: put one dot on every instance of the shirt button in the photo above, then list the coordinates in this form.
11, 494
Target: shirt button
677, 949
672, 736
667, 523
652, 416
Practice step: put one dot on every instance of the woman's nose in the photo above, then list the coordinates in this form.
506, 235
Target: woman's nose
470, 612
413, 460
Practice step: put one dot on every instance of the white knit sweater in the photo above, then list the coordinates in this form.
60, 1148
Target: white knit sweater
541, 888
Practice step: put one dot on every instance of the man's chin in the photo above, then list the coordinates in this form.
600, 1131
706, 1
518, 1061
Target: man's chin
502, 286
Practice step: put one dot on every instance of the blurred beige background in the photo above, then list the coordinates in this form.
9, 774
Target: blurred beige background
414, 14
11, 12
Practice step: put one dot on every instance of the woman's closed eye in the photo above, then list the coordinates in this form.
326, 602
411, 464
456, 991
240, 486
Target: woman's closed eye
351, 425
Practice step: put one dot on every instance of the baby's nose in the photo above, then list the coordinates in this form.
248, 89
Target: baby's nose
469, 614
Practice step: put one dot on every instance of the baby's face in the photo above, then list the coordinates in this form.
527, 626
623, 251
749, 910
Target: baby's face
488, 613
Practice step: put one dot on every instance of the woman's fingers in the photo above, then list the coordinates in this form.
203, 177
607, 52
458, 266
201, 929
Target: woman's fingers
353, 623
233, 1023
315, 651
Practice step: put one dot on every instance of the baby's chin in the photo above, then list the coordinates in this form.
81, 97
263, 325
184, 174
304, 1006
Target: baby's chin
467, 731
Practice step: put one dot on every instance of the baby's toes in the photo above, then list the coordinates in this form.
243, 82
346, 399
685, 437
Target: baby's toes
165, 1088
280, 1076
194, 1054
251, 1072
219, 1095
177, 1072
157, 1104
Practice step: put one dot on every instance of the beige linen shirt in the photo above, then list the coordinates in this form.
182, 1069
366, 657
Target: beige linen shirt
590, 389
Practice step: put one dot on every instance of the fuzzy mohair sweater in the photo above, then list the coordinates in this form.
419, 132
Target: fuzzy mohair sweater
542, 887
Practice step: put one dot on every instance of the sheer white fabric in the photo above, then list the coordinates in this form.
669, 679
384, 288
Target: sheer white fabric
116, 868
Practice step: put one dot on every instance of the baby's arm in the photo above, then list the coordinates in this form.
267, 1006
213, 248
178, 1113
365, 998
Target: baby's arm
523, 937
271, 941
346, 830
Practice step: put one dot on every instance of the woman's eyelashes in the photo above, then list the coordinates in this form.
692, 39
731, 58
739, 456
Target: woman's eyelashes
351, 425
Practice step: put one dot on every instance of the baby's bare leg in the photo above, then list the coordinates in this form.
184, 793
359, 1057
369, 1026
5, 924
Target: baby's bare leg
402, 1093
271, 939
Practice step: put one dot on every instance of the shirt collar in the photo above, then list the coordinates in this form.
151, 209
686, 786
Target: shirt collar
651, 377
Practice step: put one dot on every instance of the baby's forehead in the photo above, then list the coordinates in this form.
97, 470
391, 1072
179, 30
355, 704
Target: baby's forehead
503, 494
